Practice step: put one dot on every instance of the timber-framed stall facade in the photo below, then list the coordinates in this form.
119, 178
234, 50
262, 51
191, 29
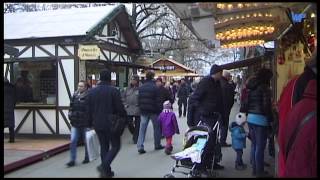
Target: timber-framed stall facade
59, 48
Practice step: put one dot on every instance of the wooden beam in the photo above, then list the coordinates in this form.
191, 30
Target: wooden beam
65, 119
45, 121
23, 50
66, 50
23, 121
64, 78
44, 50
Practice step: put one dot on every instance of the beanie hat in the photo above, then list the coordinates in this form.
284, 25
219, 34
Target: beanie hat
167, 105
215, 69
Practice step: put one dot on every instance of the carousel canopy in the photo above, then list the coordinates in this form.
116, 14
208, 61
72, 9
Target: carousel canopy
239, 24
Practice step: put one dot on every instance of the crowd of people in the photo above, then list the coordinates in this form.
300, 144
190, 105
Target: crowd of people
295, 129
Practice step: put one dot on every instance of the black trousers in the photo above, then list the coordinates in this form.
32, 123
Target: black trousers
108, 154
134, 126
11, 134
224, 126
184, 103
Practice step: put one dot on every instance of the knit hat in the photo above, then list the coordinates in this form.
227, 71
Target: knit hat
215, 69
167, 105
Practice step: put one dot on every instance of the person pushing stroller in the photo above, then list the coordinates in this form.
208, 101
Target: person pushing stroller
238, 135
168, 125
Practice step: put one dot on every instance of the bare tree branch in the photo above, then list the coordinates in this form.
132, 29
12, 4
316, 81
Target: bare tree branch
152, 22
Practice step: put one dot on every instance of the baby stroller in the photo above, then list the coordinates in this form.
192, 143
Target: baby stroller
194, 156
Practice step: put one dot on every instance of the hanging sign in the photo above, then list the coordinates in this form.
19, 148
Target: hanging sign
89, 52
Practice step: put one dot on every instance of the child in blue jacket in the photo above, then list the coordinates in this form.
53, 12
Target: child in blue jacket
238, 136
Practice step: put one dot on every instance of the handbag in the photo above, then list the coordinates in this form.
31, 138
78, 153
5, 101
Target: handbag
93, 145
118, 124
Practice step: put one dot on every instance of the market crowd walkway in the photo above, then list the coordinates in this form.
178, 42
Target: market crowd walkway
129, 163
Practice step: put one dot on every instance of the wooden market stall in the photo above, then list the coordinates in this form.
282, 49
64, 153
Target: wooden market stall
59, 48
170, 69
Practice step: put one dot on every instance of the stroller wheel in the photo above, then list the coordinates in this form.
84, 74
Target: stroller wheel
168, 176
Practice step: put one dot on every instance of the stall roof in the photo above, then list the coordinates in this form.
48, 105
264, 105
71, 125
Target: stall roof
174, 62
53, 23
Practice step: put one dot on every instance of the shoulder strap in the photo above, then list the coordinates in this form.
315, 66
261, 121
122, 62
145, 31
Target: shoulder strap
294, 135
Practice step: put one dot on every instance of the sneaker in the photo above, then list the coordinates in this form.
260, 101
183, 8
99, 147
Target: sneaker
141, 151
70, 164
85, 161
104, 174
168, 150
159, 147
218, 166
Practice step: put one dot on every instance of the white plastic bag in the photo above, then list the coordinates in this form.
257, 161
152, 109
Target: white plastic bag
93, 145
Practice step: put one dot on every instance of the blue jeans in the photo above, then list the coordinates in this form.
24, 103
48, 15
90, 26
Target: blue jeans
75, 135
258, 136
239, 157
143, 129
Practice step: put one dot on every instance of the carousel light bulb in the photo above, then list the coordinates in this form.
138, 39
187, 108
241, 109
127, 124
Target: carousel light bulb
255, 15
248, 15
237, 17
260, 15
240, 5
313, 15
242, 16
230, 6
231, 18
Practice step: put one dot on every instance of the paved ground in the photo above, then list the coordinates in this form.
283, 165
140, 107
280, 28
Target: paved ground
129, 163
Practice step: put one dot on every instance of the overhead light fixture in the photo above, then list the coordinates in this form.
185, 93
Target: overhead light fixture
313, 15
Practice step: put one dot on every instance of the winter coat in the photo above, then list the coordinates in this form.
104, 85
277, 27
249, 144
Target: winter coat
205, 100
78, 112
284, 106
164, 95
259, 98
228, 92
149, 98
130, 101
103, 101
238, 136
183, 92
9, 104
168, 123
302, 157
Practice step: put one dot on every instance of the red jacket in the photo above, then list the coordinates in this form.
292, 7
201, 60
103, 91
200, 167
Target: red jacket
284, 106
302, 158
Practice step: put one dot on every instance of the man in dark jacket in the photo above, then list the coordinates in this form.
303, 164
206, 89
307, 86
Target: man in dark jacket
259, 117
150, 107
8, 108
204, 103
183, 94
103, 101
228, 93
164, 94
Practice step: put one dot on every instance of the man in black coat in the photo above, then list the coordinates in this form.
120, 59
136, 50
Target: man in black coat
164, 94
103, 101
228, 93
183, 94
150, 107
204, 104
8, 108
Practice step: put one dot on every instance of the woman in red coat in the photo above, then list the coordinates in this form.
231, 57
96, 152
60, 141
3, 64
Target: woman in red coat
301, 159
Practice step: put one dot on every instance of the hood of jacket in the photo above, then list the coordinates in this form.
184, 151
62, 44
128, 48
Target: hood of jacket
233, 125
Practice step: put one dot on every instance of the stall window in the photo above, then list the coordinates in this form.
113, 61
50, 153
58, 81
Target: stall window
35, 82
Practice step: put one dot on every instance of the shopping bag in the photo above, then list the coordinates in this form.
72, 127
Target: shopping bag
93, 145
